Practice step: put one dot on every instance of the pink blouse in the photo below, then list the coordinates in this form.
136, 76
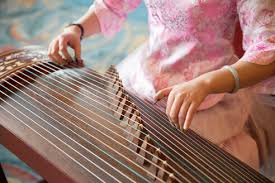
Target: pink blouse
191, 37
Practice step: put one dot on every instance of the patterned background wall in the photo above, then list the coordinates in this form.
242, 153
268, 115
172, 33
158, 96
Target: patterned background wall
36, 22
24, 22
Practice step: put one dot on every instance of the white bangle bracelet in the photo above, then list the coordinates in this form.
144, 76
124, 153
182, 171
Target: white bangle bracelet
236, 78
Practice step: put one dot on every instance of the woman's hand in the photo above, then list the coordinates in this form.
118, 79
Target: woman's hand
183, 101
58, 48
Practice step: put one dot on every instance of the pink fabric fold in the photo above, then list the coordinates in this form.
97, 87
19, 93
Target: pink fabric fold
112, 13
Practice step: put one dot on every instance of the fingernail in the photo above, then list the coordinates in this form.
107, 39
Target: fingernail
185, 127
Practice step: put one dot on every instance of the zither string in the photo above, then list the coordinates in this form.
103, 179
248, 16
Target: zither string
208, 152
108, 78
190, 134
183, 152
108, 121
195, 134
67, 86
247, 169
83, 130
195, 139
52, 142
48, 115
102, 125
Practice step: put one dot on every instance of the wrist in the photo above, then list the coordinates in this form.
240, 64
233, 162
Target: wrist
72, 29
75, 28
207, 83
218, 81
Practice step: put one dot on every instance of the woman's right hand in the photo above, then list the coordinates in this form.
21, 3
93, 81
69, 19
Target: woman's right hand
58, 48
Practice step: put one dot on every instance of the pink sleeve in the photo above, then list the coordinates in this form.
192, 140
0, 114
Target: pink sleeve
257, 19
112, 13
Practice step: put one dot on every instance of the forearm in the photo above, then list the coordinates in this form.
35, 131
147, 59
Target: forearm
222, 80
89, 22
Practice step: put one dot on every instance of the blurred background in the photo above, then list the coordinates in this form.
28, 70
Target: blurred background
37, 22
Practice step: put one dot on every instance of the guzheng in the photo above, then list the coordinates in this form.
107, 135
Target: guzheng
76, 125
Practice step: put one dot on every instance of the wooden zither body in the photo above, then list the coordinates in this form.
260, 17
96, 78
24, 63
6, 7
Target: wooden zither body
76, 125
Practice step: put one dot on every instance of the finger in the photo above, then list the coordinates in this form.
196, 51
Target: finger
49, 52
177, 125
189, 116
55, 53
77, 51
52, 58
63, 48
170, 121
174, 113
163, 93
183, 110
170, 101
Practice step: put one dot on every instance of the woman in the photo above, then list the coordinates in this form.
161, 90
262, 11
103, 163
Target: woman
190, 43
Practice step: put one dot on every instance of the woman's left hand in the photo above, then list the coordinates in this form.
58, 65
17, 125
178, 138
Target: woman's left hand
183, 101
